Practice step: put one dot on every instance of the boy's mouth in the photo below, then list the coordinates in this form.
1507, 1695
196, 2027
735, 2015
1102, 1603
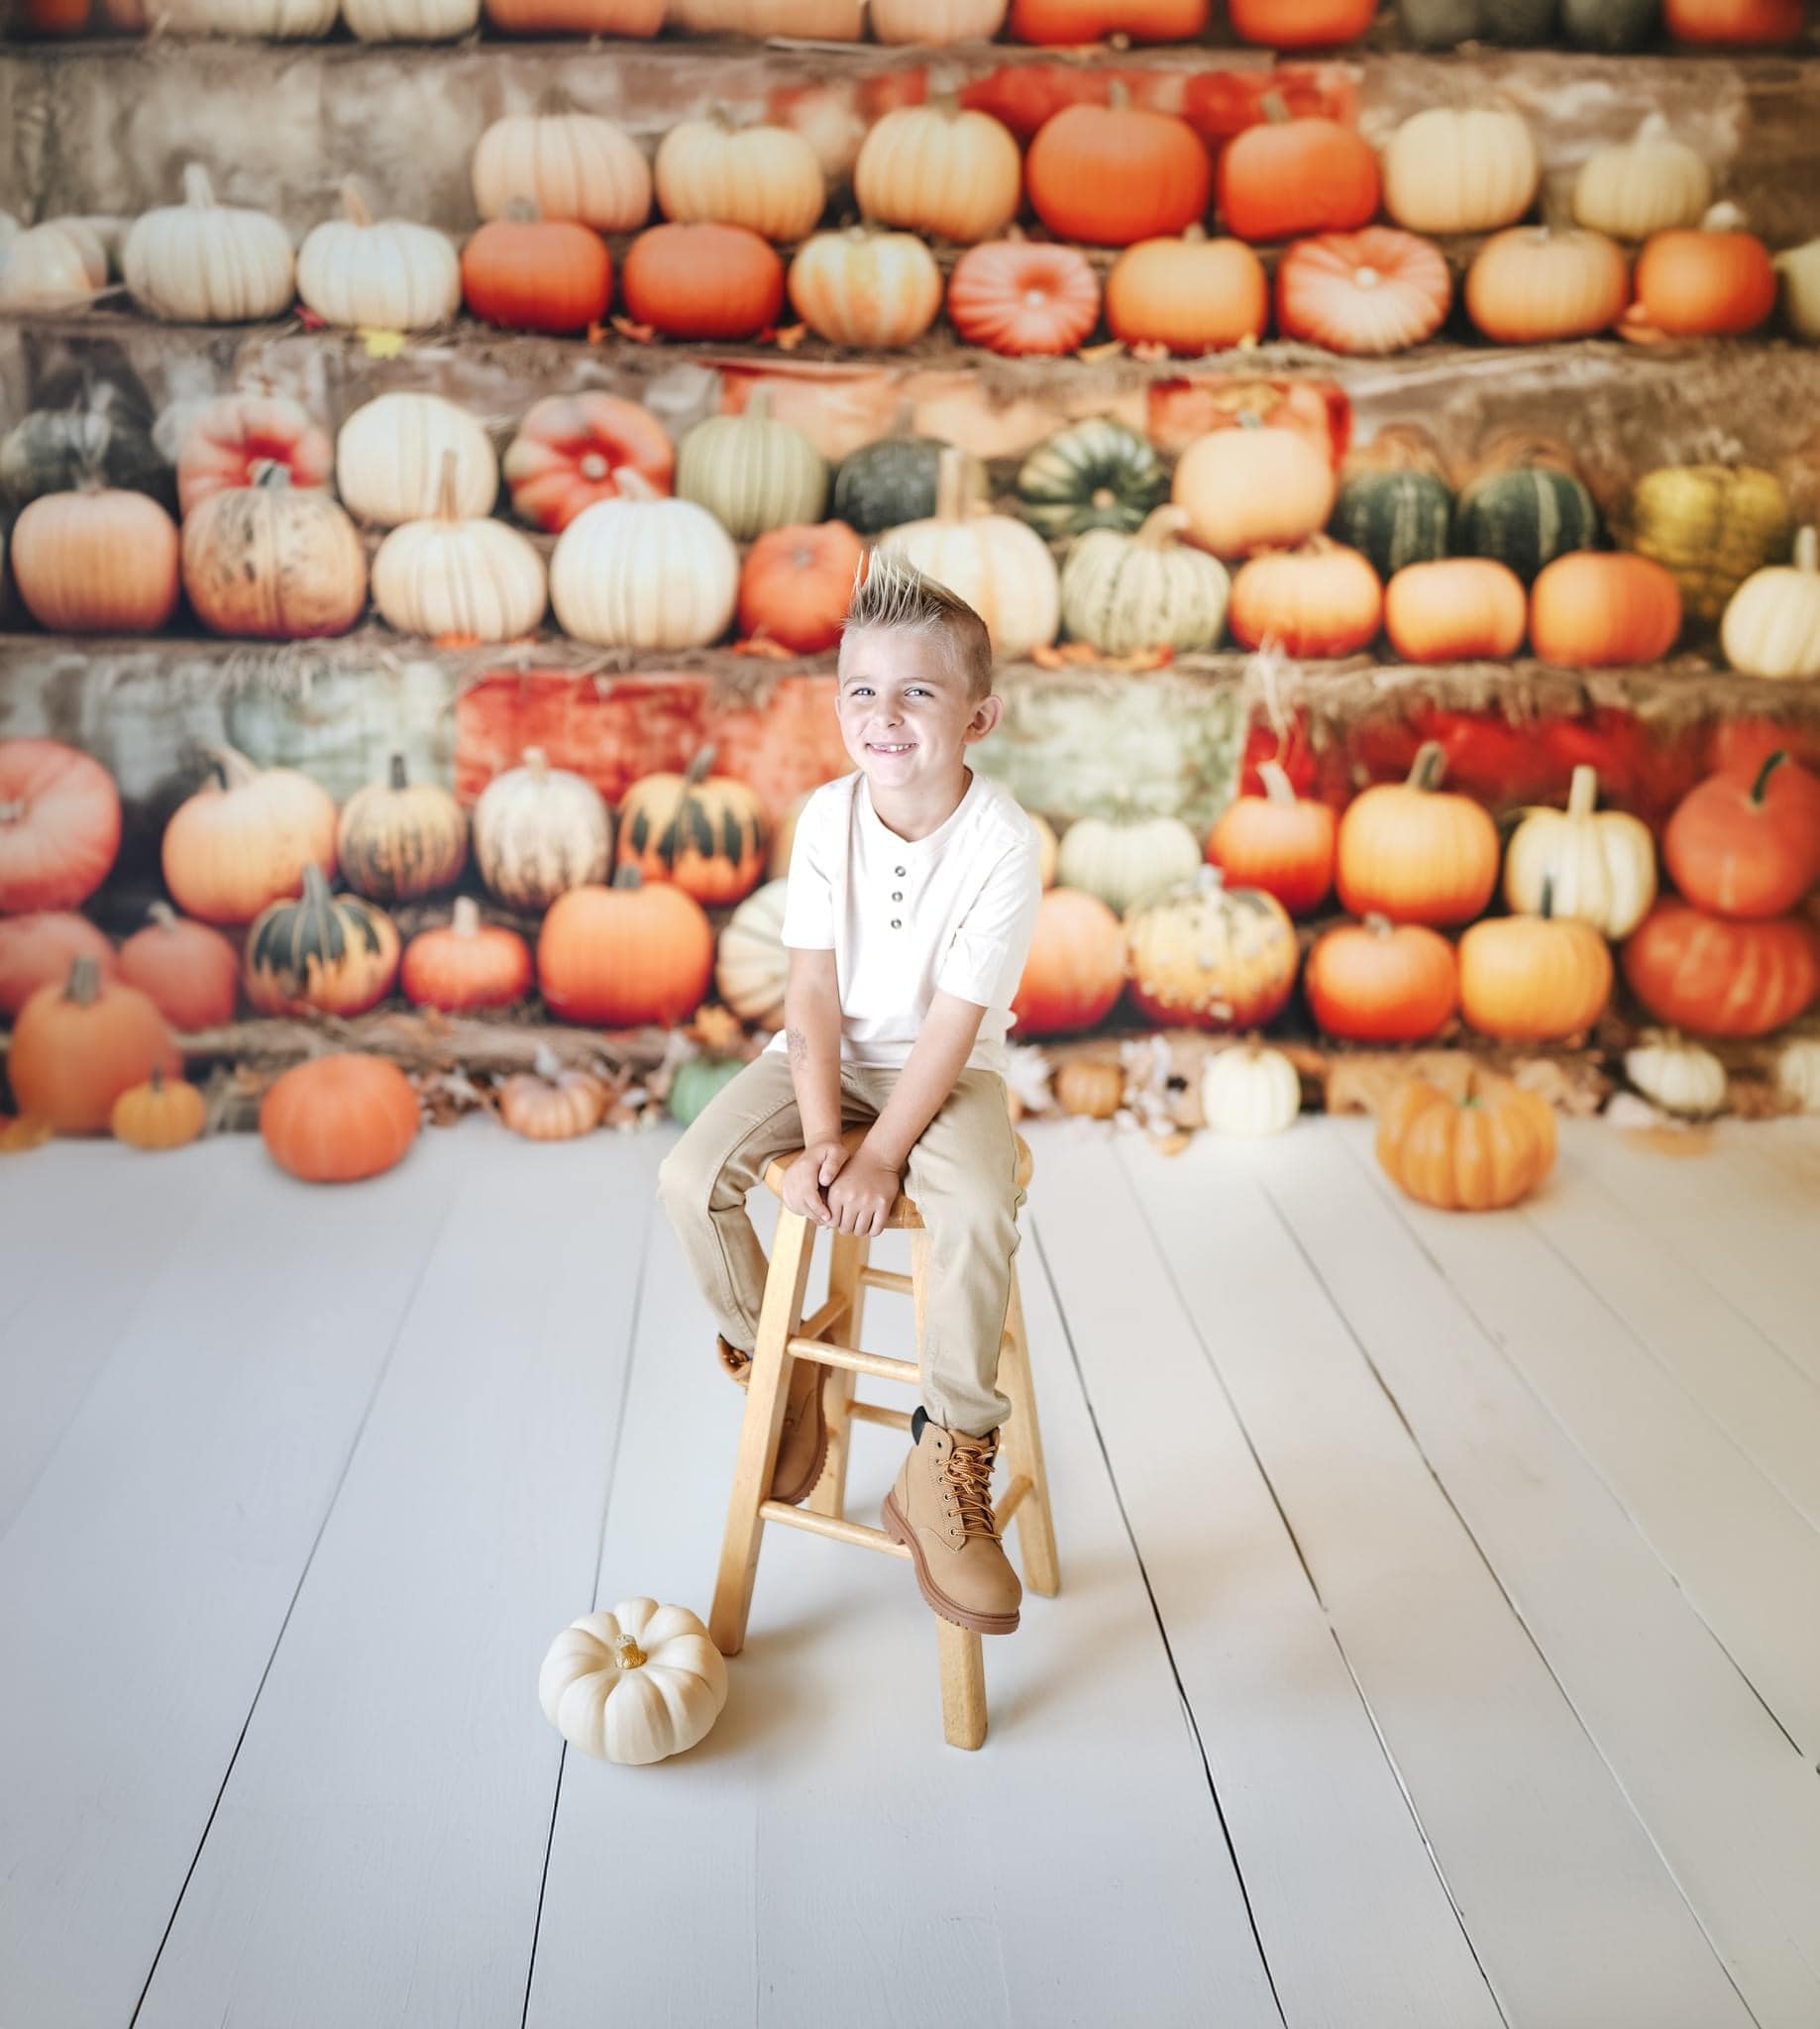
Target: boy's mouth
889, 747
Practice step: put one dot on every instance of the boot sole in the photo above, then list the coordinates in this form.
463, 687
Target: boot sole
899, 1529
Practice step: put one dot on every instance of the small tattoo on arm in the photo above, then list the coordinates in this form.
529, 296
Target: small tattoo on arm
796, 1044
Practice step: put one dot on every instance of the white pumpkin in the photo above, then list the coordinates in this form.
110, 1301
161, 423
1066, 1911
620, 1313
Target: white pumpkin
1126, 592
1126, 860
282, 20
1799, 270
1772, 625
390, 458
935, 21
1676, 1075
765, 178
566, 165
1647, 184
1249, 1090
391, 277
1470, 171
818, 20
1797, 1073
1002, 568
1598, 866
635, 1686
47, 267
468, 577
644, 573
203, 263
99, 239
539, 831
10, 229
410, 21
751, 965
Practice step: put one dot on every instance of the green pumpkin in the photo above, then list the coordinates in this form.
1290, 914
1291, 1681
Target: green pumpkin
58, 450
1394, 519
695, 1082
1092, 475
1525, 516
1609, 24
893, 481
752, 474
1128, 592
1710, 526
1446, 23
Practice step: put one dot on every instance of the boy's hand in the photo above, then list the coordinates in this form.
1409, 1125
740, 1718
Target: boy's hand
862, 1195
806, 1179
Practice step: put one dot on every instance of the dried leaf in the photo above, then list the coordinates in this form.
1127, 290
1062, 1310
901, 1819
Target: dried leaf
1094, 354
790, 337
763, 645
639, 334
1148, 349
718, 1028
27, 1131
383, 344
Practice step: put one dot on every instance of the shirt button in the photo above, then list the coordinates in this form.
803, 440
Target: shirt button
896, 895
899, 870
897, 923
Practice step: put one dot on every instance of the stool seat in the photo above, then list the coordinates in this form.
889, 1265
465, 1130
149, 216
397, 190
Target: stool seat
903, 1213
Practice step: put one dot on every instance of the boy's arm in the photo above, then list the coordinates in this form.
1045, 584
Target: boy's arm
936, 1059
812, 1025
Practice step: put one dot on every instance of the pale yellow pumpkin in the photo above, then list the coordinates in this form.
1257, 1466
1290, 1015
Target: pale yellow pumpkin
1798, 274
1710, 526
1464, 171
874, 290
638, 572
1129, 858
1797, 1073
1645, 185
203, 263
388, 276
811, 20
634, 1685
1596, 866
954, 174
565, 165
390, 454
1249, 1090
47, 269
539, 831
1679, 1076
1252, 489
751, 965
460, 577
935, 21
766, 178
1772, 628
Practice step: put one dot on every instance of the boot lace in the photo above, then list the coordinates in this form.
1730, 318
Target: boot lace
969, 1474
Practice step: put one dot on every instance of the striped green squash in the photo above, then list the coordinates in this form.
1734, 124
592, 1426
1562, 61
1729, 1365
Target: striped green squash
1394, 519
883, 484
752, 474
1092, 475
1127, 593
1525, 516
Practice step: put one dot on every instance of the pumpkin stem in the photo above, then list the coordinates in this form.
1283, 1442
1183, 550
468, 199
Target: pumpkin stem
628, 1653
632, 485
701, 761
1807, 549
197, 189
84, 986
315, 887
758, 405
535, 762
164, 916
554, 103
230, 767
1278, 788
467, 920
1194, 234
1546, 909
1428, 766
1760, 789
1652, 128
1378, 924
448, 505
1162, 526
156, 1080
1725, 217
951, 484
354, 205
628, 875
271, 473
1584, 790
1118, 94
1274, 107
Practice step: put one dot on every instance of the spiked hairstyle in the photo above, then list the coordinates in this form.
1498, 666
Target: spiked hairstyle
895, 594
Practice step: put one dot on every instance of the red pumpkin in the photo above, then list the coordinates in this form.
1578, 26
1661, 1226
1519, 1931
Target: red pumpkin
1382, 982
1743, 21
1746, 845
60, 825
38, 950
77, 1047
703, 281
1379, 291
1075, 971
1301, 24
1020, 296
572, 449
1321, 600
1069, 24
1718, 978
467, 964
1192, 294
797, 583
235, 438
189, 972
1278, 841
537, 274
1117, 174
1285, 177
1414, 853
616, 957
334, 1120
1593, 609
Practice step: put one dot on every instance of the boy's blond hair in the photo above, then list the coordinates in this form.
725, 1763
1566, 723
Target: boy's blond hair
896, 594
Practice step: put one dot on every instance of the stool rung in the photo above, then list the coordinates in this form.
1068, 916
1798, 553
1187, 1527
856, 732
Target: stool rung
876, 1412
832, 1355
1012, 1501
836, 1526
888, 1278
830, 1314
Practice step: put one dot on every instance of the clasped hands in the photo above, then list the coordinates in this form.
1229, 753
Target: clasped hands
847, 1193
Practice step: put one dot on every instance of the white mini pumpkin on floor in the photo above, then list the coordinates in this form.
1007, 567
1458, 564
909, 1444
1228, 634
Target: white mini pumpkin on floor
1797, 1073
1250, 1091
1676, 1075
635, 1686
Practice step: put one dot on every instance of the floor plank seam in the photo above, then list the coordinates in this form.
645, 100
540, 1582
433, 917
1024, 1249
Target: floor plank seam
328, 1510
1188, 1711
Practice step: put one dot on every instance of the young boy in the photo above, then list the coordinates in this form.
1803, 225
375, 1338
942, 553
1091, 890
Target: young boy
914, 889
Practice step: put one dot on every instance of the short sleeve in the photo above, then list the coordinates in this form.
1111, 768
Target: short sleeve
808, 894
985, 961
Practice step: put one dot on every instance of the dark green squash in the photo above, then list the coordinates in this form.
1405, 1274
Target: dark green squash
1446, 23
1395, 519
1097, 473
1610, 25
101, 438
886, 483
1526, 516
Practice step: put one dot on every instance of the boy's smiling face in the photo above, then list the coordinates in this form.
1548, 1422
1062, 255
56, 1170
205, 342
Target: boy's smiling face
906, 719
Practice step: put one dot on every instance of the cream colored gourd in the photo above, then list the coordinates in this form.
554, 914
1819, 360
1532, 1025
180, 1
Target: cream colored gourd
203, 263
1799, 270
539, 831
1002, 568
635, 1686
468, 576
1772, 628
935, 21
940, 170
816, 20
410, 21
865, 289
1472, 171
752, 474
1676, 1075
1647, 184
47, 267
1249, 1090
751, 965
387, 277
639, 572
1126, 592
1797, 1073
281, 21
566, 165
1127, 860
1597, 866
765, 178
99, 239
390, 458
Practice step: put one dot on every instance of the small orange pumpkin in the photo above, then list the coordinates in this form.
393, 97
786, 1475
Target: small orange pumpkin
1534, 978
163, 1113
189, 972
77, 1047
1382, 982
1321, 600
1592, 609
1456, 609
467, 964
1018, 296
1745, 844
553, 1102
616, 957
797, 583
1191, 295
1284, 177
1280, 842
244, 838
1415, 853
337, 1118
1476, 1152
1531, 285
1710, 280
530, 274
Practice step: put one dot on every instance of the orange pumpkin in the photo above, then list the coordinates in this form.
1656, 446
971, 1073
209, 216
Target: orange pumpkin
1075, 971
1593, 607
1747, 844
1379, 291
797, 583
572, 449
336, 953
703, 281
1534, 978
1715, 977
1744, 21
537, 274
161, 1113
1301, 24
101, 561
77, 1047
467, 964
334, 1120
236, 437
619, 956
1382, 982
703, 832
1280, 842
1117, 174
1320, 599
1415, 853
1070, 22
1456, 609
1476, 1151
1191, 295
1285, 177
1019, 297
38, 950
60, 825
1530, 285
1254, 488
244, 839
1710, 280
577, 17
189, 972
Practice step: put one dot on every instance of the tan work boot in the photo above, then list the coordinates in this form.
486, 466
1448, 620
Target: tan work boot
940, 1510
802, 1450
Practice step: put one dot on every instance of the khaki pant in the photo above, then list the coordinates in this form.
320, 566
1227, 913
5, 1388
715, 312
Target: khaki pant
962, 1173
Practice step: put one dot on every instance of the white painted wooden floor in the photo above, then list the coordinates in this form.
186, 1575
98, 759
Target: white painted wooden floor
1439, 1647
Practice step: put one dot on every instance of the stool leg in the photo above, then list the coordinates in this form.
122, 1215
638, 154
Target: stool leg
1034, 1523
848, 1255
963, 1686
780, 1316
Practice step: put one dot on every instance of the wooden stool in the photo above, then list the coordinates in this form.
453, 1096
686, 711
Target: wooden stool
785, 1335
